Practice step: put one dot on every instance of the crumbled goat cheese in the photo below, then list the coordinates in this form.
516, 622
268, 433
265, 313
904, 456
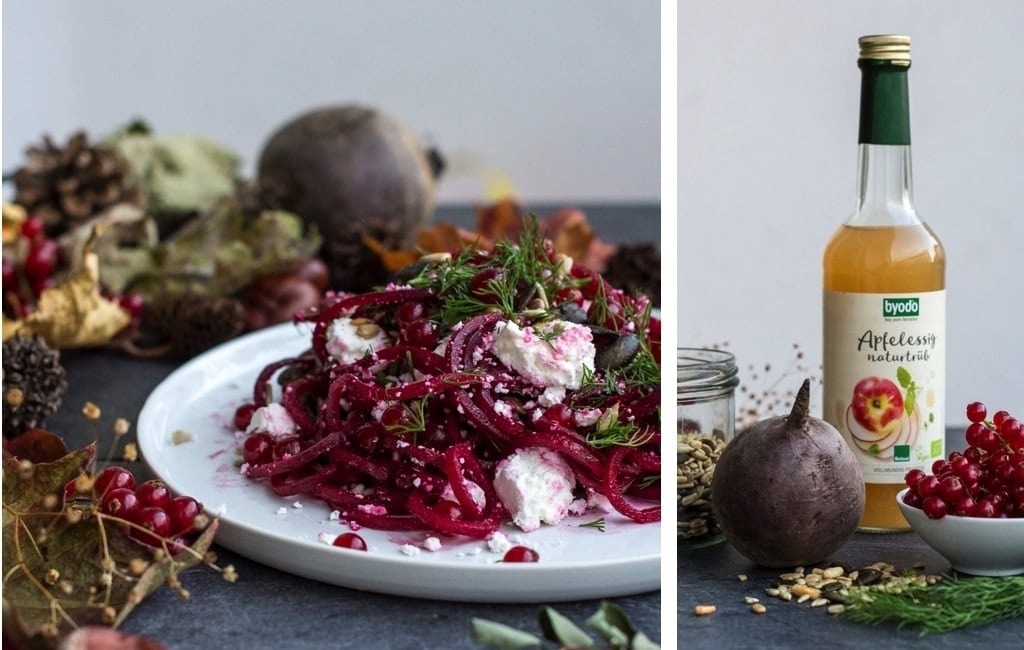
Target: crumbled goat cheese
409, 549
272, 419
345, 343
498, 543
335, 515
550, 355
475, 492
282, 512
535, 486
432, 544
587, 416
297, 505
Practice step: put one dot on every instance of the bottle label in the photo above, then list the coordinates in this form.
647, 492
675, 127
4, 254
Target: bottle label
884, 378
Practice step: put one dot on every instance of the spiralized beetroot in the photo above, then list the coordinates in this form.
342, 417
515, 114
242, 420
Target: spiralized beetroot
407, 438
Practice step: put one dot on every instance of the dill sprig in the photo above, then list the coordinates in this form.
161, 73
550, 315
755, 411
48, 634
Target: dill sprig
610, 431
596, 524
949, 605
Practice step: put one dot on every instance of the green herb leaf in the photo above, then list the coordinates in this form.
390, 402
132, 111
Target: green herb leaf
501, 637
597, 523
903, 376
560, 629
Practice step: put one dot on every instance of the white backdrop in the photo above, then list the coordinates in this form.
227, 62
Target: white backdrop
564, 96
768, 105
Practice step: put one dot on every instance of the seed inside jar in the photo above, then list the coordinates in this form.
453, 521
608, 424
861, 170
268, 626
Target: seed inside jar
696, 458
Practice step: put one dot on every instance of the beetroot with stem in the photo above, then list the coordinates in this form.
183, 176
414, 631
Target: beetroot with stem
788, 491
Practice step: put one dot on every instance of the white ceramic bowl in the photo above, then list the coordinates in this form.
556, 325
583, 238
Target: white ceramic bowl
983, 547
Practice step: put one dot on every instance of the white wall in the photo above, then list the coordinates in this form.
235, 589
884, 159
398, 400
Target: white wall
768, 104
563, 96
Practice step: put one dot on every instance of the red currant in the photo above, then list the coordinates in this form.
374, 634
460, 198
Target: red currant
156, 522
964, 506
934, 507
998, 418
951, 489
976, 412
32, 228
183, 512
913, 476
986, 508
10, 275
154, 494
396, 417
243, 415
350, 540
928, 486
569, 294
131, 303
912, 499
120, 502
112, 478
258, 449
521, 554
420, 333
938, 467
42, 259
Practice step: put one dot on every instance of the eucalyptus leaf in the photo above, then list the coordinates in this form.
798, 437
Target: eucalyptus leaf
501, 637
557, 627
612, 624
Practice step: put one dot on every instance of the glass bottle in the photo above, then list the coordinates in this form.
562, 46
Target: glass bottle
884, 301
706, 383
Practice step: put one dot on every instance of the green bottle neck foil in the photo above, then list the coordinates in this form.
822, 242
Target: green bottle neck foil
884, 103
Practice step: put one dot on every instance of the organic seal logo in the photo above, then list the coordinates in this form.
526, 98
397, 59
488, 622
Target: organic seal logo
901, 307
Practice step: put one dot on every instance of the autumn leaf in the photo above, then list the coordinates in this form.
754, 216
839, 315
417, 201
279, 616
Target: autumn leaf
72, 567
74, 313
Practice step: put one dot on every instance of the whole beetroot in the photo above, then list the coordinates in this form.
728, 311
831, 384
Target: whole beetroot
788, 491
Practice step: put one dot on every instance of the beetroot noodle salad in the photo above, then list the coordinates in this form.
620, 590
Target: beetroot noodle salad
510, 386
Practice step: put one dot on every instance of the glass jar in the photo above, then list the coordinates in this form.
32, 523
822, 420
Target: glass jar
706, 383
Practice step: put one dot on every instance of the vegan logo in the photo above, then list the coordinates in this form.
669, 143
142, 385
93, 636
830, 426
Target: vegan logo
901, 307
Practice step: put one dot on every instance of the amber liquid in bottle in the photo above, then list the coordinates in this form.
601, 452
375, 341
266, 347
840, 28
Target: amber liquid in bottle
884, 362
884, 259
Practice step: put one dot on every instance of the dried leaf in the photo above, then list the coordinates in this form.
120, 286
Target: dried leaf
37, 446
13, 216
572, 235
53, 575
393, 260
73, 313
500, 220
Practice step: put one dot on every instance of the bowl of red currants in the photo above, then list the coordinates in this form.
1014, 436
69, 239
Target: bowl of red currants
970, 508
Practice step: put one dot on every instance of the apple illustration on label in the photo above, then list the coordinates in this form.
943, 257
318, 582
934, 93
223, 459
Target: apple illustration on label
877, 404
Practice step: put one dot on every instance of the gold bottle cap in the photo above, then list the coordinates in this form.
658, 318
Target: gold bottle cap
886, 47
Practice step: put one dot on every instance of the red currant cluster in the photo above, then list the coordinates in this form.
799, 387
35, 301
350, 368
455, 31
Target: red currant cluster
985, 480
158, 515
28, 268
30, 264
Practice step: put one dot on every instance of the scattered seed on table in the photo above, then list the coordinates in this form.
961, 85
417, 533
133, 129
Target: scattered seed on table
750, 600
836, 609
704, 610
818, 602
758, 608
742, 577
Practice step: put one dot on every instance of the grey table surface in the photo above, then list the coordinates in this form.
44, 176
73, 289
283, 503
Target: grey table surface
708, 576
267, 608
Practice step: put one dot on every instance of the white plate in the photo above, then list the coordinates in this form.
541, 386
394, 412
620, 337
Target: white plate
200, 398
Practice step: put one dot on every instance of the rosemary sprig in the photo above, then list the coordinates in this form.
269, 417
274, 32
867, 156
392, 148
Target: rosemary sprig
949, 605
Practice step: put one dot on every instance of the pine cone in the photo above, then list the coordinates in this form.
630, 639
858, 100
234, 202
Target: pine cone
193, 323
34, 384
354, 267
66, 186
636, 268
